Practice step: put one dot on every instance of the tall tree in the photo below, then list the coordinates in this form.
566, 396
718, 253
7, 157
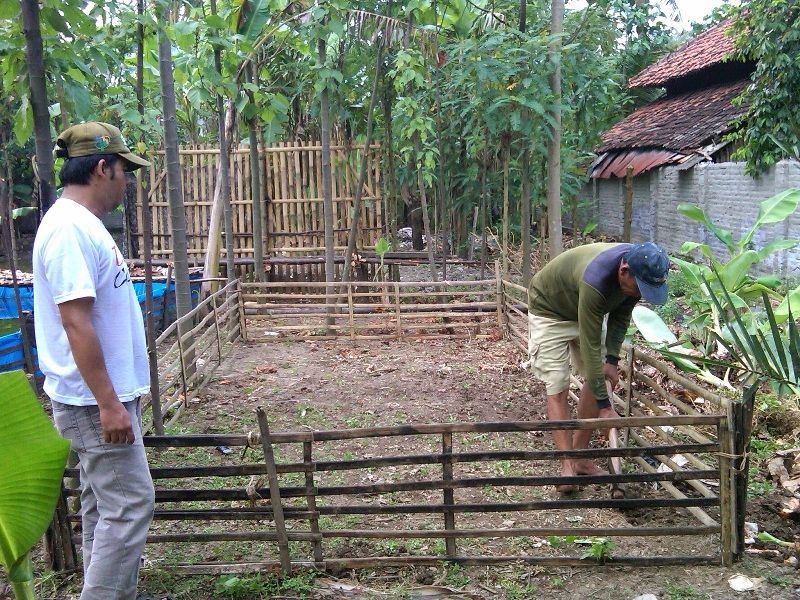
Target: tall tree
524, 174
556, 244
327, 182
224, 164
183, 294
255, 176
147, 241
41, 116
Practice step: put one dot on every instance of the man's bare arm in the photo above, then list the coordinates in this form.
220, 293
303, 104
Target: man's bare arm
76, 316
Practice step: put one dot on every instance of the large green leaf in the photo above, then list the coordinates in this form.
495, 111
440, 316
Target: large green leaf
34, 456
696, 213
735, 271
776, 245
793, 299
773, 210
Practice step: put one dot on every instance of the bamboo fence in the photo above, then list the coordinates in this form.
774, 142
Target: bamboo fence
266, 510
293, 216
373, 310
281, 500
187, 362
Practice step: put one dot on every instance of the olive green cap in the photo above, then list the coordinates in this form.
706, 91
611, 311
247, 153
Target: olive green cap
87, 139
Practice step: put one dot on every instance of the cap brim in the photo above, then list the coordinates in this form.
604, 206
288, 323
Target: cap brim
654, 294
134, 162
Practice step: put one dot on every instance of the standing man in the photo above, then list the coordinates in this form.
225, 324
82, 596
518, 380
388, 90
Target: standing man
92, 352
569, 302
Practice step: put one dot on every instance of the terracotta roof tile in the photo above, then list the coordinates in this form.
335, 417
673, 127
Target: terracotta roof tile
702, 51
680, 123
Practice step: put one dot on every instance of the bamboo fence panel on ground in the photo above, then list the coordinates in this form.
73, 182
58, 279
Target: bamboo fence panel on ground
372, 310
292, 218
283, 504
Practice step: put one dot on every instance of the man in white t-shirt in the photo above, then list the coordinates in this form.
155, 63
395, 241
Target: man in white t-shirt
91, 344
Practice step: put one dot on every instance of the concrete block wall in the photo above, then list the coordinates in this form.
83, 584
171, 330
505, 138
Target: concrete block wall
729, 197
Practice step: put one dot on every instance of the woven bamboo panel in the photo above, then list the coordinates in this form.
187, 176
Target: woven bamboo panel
292, 186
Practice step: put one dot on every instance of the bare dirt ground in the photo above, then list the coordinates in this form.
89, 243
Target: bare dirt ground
335, 385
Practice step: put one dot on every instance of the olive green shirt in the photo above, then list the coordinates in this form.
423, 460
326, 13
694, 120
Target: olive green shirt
582, 285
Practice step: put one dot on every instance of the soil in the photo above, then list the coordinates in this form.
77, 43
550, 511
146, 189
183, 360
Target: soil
334, 385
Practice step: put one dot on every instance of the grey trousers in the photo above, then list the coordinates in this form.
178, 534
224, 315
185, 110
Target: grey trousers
117, 500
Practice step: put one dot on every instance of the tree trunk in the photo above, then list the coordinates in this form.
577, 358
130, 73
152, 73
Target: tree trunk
211, 264
327, 185
506, 141
554, 143
147, 243
183, 295
426, 222
41, 117
484, 174
224, 163
391, 203
362, 172
525, 219
255, 184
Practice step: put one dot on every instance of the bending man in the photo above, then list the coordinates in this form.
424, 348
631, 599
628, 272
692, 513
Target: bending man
569, 301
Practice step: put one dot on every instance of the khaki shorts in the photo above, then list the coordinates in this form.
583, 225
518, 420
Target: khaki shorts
552, 346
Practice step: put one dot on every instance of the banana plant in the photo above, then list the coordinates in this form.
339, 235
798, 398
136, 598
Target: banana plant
34, 457
658, 335
733, 274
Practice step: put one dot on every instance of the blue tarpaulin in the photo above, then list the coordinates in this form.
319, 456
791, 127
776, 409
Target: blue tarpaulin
11, 356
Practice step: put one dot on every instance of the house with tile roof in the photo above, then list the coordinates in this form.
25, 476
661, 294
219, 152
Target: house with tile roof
687, 124
677, 152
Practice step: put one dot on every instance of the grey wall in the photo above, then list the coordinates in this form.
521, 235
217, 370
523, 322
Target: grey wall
729, 197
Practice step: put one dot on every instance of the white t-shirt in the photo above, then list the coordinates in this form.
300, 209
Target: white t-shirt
74, 256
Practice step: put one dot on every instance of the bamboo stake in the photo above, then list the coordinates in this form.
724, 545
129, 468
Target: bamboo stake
447, 477
311, 501
274, 492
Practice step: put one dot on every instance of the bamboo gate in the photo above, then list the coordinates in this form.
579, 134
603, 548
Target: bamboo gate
293, 503
292, 215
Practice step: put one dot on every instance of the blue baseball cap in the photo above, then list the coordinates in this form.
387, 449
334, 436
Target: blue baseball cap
649, 265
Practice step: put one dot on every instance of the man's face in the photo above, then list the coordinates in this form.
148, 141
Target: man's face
627, 281
114, 182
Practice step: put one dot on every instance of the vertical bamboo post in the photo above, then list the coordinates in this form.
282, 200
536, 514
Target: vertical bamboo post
629, 393
397, 307
216, 328
499, 295
311, 500
350, 311
183, 366
726, 501
447, 477
274, 492
627, 207
242, 319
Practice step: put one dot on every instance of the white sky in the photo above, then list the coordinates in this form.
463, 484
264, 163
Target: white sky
691, 10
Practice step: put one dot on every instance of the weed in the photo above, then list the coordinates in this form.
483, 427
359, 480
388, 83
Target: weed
557, 583
516, 590
503, 467
685, 592
454, 575
259, 586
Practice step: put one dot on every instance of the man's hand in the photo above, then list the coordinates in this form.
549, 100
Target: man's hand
116, 423
611, 373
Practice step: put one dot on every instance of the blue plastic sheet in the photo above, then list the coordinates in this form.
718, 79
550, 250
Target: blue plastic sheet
11, 355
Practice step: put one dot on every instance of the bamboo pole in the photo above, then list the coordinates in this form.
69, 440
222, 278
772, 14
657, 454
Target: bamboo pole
447, 477
311, 500
274, 492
